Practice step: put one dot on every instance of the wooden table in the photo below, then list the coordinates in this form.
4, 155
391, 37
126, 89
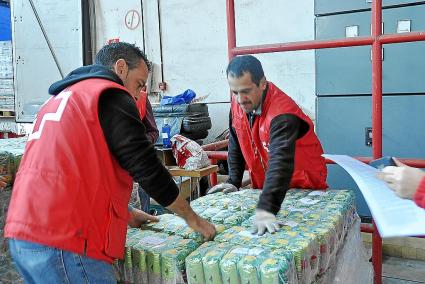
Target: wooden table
193, 175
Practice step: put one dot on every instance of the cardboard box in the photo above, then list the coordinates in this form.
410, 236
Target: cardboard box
166, 156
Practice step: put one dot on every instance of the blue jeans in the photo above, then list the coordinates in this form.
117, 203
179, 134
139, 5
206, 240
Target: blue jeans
145, 200
42, 264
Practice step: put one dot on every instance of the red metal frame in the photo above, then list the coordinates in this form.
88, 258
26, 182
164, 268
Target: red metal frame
376, 40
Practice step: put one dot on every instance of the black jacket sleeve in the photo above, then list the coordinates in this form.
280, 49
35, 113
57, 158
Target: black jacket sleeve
235, 159
285, 129
126, 137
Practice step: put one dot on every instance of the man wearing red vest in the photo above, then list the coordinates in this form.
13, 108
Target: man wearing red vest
68, 215
272, 136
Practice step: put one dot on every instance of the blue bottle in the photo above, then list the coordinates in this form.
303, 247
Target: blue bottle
166, 134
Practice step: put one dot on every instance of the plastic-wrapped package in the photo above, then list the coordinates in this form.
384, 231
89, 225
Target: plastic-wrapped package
315, 222
11, 151
326, 237
221, 216
165, 257
154, 257
207, 200
194, 269
159, 226
139, 265
279, 267
203, 265
352, 254
173, 260
226, 263
209, 213
305, 249
238, 264
175, 225
124, 266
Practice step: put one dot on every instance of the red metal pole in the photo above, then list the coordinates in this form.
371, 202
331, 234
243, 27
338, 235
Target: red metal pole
367, 228
377, 254
213, 176
407, 37
217, 155
302, 45
376, 79
231, 30
377, 121
216, 145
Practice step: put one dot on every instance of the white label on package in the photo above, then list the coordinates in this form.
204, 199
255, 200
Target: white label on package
151, 240
294, 209
179, 221
255, 251
246, 251
211, 211
308, 201
164, 135
248, 234
318, 193
290, 224
240, 251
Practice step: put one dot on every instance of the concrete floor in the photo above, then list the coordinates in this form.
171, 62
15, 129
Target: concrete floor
403, 271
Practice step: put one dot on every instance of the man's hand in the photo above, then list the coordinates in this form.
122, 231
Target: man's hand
138, 217
404, 180
202, 226
183, 209
264, 221
223, 187
2, 182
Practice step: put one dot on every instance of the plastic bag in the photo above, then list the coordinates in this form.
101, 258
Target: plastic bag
188, 154
184, 98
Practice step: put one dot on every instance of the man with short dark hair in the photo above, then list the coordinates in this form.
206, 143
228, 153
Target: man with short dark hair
273, 137
68, 215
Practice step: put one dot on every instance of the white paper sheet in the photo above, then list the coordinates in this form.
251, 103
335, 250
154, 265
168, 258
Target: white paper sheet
394, 216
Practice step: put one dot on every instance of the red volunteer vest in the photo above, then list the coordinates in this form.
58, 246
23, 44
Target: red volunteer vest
141, 104
70, 193
309, 169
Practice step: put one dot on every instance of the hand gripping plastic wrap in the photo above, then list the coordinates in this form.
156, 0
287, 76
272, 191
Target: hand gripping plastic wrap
175, 225
188, 154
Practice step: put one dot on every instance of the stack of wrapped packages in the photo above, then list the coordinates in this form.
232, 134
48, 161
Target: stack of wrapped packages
11, 151
315, 224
